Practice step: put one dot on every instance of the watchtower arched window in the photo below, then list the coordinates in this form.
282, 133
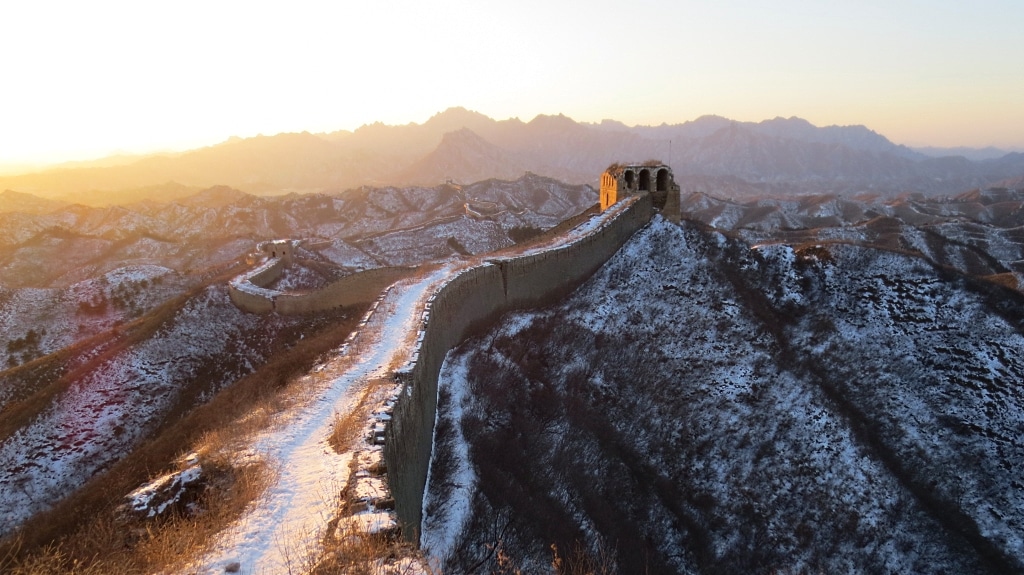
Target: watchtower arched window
630, 179
645, 180
661, 180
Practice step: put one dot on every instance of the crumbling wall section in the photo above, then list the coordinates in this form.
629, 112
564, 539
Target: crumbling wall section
468, 302
652, 177
360, 287
248, 290
251, 300
265, 274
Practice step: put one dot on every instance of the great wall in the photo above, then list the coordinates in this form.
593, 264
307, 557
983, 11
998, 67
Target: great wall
474, 293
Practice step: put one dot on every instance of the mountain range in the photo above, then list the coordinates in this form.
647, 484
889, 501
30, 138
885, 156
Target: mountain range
777, 156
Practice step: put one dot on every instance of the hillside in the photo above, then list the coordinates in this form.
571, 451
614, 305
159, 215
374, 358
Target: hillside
978, 232
213, 227
128, 328
780, 154
700, 406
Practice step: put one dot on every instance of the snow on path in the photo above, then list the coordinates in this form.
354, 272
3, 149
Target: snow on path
288, 520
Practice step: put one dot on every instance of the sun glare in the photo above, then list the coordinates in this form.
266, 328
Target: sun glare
86, 79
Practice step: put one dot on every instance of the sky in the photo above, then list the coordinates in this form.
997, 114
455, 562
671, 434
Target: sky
81, 80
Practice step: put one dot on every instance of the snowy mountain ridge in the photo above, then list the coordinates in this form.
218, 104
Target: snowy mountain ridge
700, 406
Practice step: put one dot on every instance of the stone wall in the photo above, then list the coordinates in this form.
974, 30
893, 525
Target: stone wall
248, 292
360, 287
250, 301
265, 274
467, 303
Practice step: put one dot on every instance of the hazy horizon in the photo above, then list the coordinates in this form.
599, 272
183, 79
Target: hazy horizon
119, 77
116, 156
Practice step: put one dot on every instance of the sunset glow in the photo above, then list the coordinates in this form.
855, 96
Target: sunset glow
83, 80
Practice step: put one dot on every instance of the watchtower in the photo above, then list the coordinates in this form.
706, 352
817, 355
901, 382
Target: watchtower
284, 249
624, 180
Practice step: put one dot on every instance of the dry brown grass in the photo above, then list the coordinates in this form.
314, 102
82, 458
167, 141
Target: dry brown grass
347, 429
353, 426
1007, 280
183, 537
85, 532
353, 553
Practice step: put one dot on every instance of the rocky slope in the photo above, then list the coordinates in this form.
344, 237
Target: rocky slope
702, 406
822, 383
204, 232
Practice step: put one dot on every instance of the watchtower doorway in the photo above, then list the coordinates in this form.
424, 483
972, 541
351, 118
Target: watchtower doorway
661, 184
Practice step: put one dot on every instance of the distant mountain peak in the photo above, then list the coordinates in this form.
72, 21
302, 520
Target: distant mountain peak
792, 121
464, 156
711, 118
462, 135
560, 122
215, 197
457, 112
457, 117
613, 123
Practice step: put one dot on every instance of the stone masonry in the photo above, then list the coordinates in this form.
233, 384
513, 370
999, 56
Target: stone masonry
621, 181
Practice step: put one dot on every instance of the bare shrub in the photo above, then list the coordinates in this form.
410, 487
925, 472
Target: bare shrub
580, 561
351, 552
